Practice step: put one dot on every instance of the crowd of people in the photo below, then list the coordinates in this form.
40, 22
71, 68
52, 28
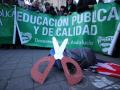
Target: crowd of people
36, 5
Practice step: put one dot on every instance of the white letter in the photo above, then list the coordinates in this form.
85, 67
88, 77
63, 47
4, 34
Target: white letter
100, 12
113, 14
93, 29
80, 18
50, 31
65, 21
0, 23
19, 16
64, 32
25, 17
51, 22
9, 13
85, 30
78, 30
87, 17
39, 19
1, 13
45, 21
45, 31
60, 22
36, 29
32, 19
74, 18
58, 32
94, 16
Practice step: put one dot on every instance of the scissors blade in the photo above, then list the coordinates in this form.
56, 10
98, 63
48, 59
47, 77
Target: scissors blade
62, 47
59, 53
55, 44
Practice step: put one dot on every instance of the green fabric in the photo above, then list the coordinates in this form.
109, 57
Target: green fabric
93, 29
6, 24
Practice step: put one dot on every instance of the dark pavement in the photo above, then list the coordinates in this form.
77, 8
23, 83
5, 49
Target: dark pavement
15, 67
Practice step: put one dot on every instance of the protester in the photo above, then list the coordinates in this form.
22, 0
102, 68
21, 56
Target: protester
28, 4
41, 8
57, 10
52, 11
71, 7
92, 2
84, 5
35, 5
8, 2
47, 8
1, 1
101, 1
21, 3
63, 11
117, 1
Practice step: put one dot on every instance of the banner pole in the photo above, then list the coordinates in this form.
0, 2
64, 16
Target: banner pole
19, 33
110, 50
14, 33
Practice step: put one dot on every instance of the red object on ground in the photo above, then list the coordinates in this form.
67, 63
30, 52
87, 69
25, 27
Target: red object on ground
109, 69
71, 78
36, 74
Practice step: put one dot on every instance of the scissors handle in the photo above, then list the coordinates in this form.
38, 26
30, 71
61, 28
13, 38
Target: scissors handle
72, 78
39, 76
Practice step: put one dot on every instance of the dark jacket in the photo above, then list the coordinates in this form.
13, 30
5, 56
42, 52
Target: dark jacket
51, 11
117, 1
71, 8
83, 5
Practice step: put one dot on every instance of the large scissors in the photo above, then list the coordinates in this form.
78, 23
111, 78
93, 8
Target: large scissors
71, 78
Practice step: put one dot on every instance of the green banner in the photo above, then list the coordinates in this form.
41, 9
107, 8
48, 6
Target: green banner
94, 29
6, 24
